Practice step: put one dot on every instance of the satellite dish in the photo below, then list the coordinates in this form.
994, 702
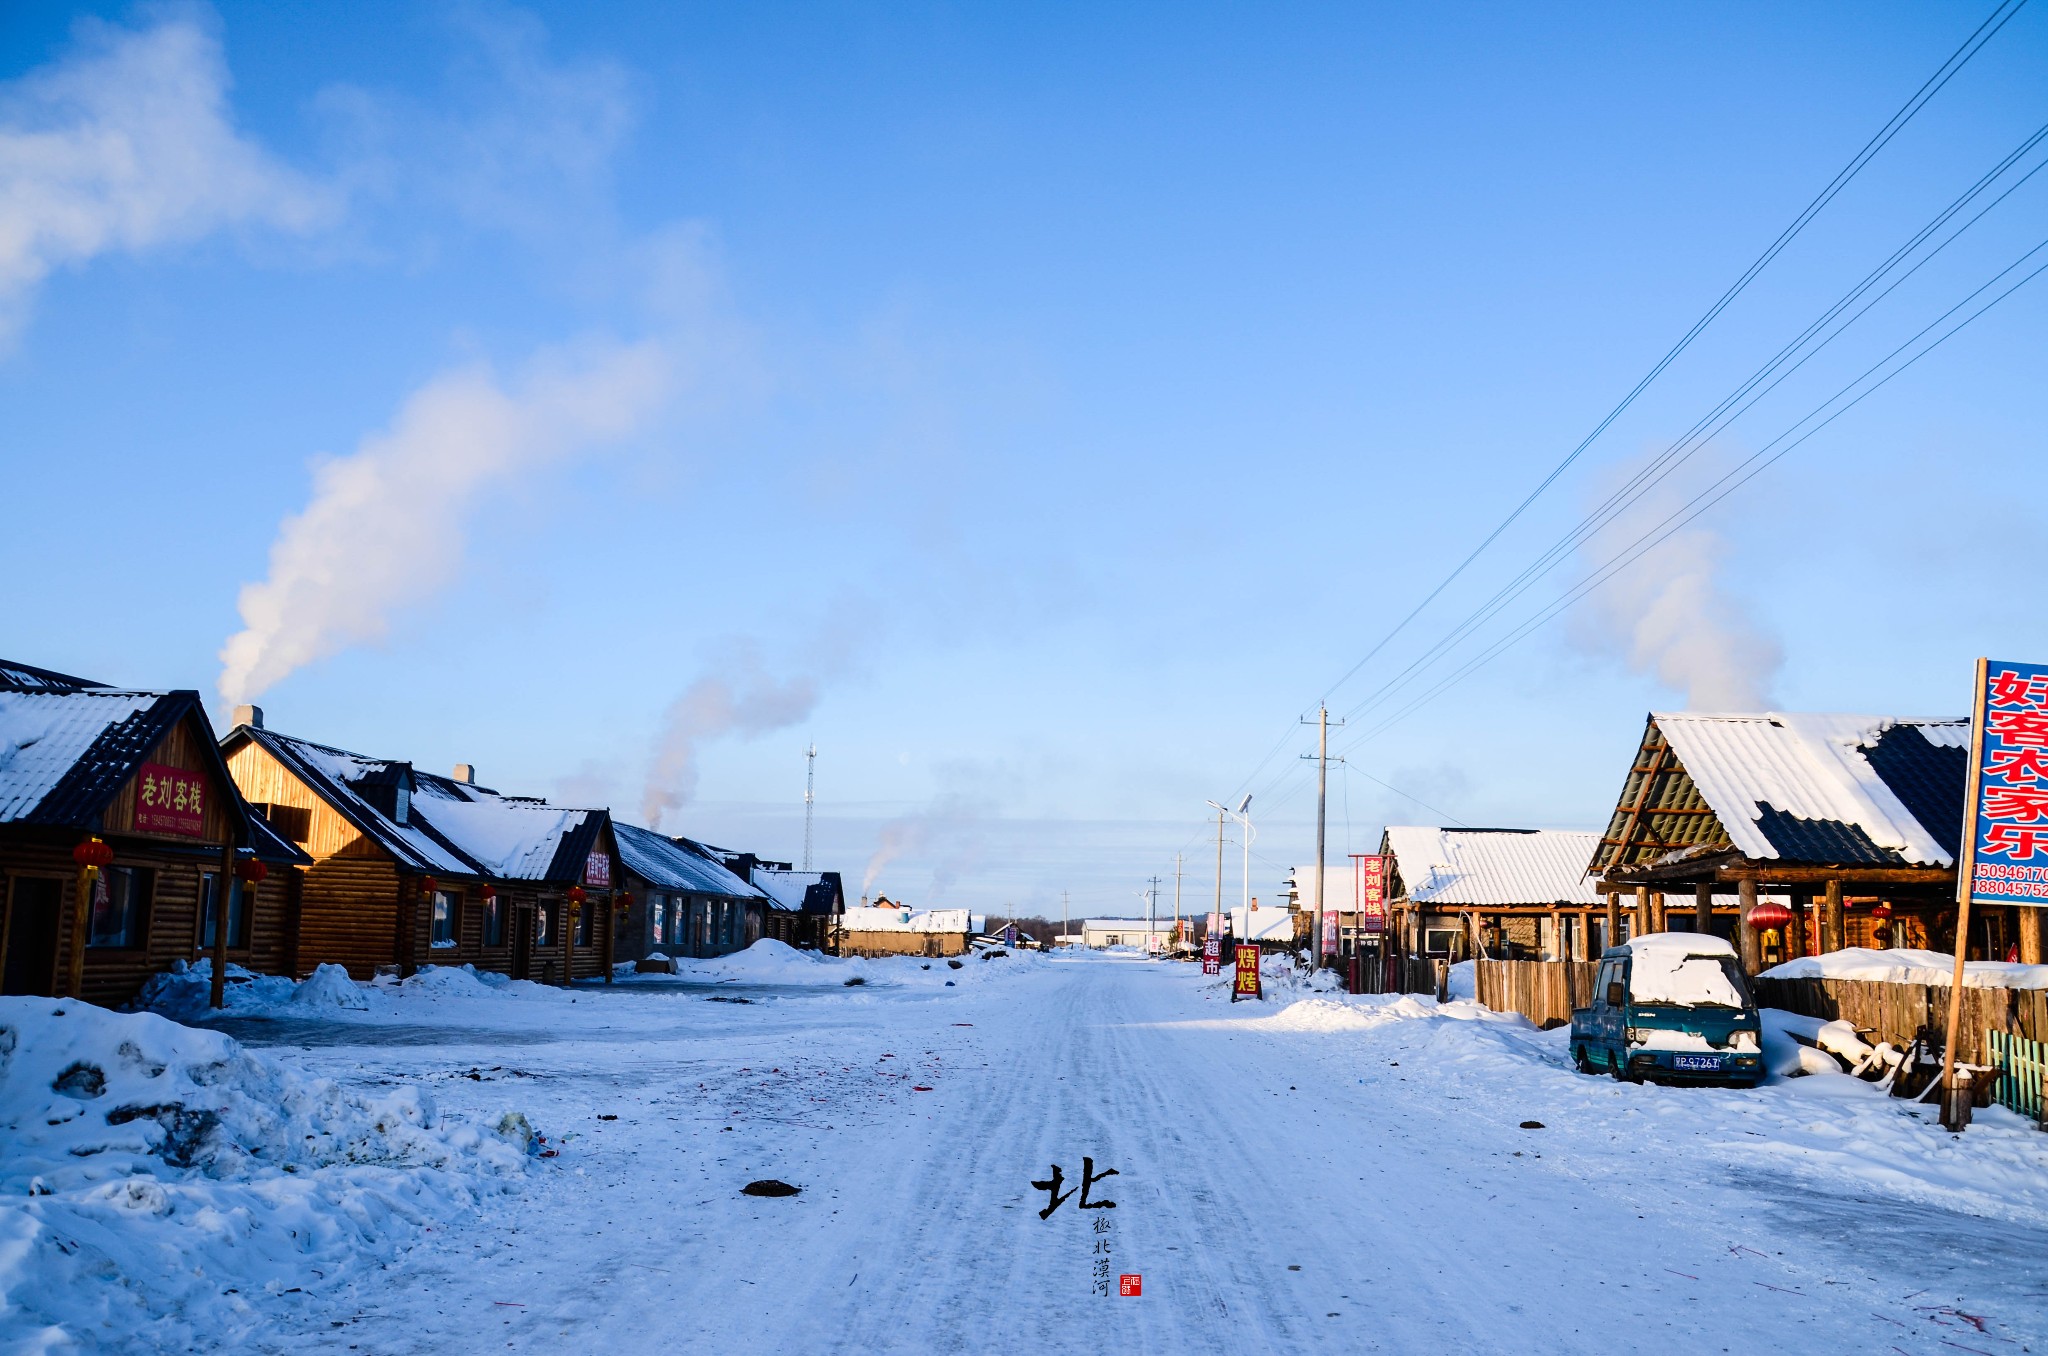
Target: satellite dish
1244, 804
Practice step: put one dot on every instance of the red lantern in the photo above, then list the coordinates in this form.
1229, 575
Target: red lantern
1769, 915
1881, 910
93, 852
252, 871
576, 896
428, 885
489, 893
623, 902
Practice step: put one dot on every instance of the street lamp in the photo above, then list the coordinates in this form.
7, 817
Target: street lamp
1249, 833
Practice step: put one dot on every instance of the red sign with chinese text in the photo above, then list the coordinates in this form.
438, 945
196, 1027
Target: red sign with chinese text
170, 800
597, 870
1212, 954
1245, 983
2008, 825
1129, 1284
1369, 892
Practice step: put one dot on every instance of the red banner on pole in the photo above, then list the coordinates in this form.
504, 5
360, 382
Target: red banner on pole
1369, 891
170, 800
1245, 984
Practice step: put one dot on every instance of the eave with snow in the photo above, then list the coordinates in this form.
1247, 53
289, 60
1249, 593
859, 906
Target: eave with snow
1862, 814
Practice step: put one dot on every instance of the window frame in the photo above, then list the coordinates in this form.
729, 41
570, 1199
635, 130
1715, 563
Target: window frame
139, 911
493, 933
446, 905
241, 916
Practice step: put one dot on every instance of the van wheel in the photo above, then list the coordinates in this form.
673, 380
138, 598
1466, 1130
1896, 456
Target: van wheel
1581, 1062
1614, 1068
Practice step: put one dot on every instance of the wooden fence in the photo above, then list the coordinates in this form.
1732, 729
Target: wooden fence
2023, 1063
1896, 1012
1543, 991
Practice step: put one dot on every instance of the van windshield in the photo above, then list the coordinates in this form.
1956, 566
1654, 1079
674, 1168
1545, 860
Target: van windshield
1687, 981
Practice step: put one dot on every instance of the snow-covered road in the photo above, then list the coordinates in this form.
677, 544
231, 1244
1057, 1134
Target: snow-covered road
1297, 1175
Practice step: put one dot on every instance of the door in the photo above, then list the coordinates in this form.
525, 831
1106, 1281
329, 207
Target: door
522, 941
34, 909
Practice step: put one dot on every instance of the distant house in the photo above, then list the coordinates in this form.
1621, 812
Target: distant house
885, 929
139, 771
1513, 894
1100, 933
1854, 820
684, 900
410, 868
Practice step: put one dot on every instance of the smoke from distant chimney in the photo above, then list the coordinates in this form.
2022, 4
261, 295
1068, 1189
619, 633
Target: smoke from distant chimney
744, 700
1671, 614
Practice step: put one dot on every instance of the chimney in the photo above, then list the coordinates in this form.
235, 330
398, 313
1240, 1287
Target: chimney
466, 773
251, 716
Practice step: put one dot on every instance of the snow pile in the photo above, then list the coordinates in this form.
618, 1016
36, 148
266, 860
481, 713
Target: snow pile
185, 992
330, 987
152, 1174
1907, 966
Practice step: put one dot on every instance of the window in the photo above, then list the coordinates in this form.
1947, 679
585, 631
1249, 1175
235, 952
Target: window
120, 906
657, 915
543, 924
401, 802
583, 917
444, 918
494, 920
1439, 941
238, 913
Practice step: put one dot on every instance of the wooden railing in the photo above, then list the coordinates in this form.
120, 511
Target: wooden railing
2023, 1063
1543, 991
1896, 1012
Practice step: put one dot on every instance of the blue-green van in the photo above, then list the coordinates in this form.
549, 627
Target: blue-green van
1671, 1006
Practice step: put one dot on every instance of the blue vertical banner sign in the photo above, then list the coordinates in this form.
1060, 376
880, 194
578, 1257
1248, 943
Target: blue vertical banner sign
2007, 817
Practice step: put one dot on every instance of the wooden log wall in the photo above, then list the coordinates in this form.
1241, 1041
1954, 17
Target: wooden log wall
348, 914
1896, 1012
115, 975
1543, 991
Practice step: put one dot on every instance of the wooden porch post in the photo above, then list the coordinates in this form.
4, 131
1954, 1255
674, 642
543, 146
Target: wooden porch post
1798, 933
223, 893
1642, 910
1746, 942
1703, 907
1613, 936
2033, 935
1657, 917
611, 923
1833, 936
1585, 936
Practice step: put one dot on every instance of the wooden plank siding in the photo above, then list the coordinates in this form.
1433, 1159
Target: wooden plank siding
1896, 1012
1545, 992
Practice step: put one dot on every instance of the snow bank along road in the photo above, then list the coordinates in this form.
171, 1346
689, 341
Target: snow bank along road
1306, 1174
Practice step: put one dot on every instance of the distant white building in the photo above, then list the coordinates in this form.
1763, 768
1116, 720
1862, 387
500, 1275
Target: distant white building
1100, 933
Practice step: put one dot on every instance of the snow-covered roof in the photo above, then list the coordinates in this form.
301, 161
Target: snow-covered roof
45, 735
791, 890
450, 827
18, 677
1125, 925
1839, 788
668, 865
509, 838
906, 920
1453, 868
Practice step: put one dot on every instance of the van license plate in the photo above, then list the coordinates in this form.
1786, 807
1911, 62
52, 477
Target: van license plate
1698, 1061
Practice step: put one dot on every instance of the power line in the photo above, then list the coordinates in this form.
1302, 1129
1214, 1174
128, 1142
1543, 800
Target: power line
1892, 127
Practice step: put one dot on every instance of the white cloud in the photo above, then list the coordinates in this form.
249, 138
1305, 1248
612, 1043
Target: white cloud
124, 144
387, 523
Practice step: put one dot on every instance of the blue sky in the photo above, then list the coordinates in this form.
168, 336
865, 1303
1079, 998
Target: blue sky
1038, 407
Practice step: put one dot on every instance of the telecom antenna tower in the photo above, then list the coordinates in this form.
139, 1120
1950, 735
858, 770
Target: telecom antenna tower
810, 797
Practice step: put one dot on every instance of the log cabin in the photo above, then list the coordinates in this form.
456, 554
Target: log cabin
134, 777
1509, 894
807, 905
1854, 821
685, 902
409, 868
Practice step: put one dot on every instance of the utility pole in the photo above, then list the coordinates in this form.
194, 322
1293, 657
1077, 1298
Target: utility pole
1176, 896
1218, 916
1063, 915
810, 799
1151, 913
1322, 757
